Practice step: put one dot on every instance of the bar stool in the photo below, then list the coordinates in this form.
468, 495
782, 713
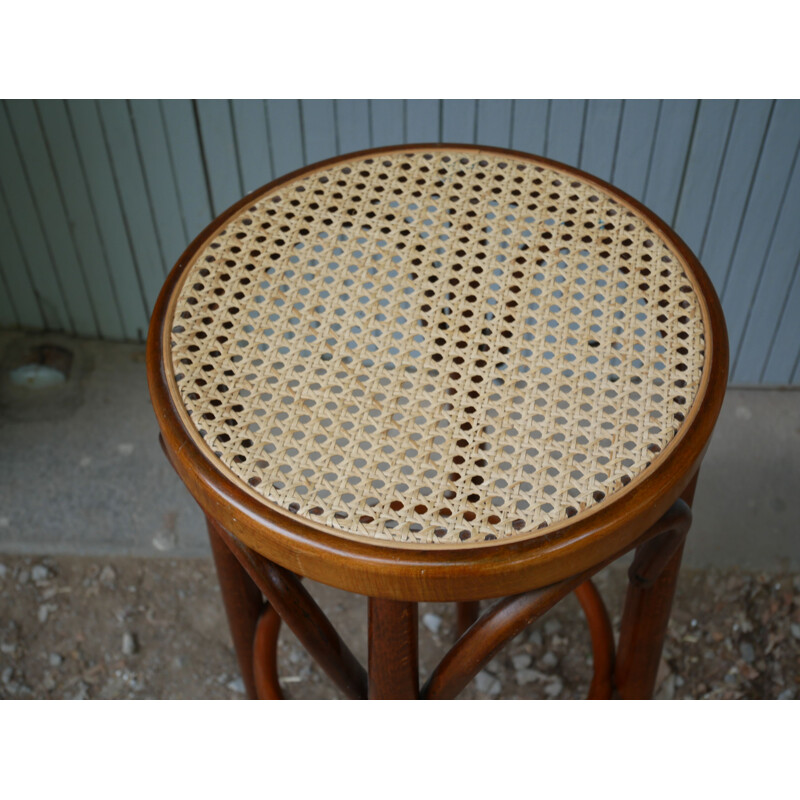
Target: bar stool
439, 373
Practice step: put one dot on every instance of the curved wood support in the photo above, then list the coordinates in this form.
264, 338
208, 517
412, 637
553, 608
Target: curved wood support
265, 656
602, 635
487, 636
654, 566
287, 595
509, 617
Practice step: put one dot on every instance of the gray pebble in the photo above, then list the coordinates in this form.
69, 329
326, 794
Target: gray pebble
554, 687
23, 576
787, 694
108, 576
795, 629
81, 691
521, 660
552, 626
164, 541
433, 622
667, 689
495, 689
747, 652
494, 666
535, 638
40, 573
7, 674
526, 676
55, 660
488, 684
129, 644
3, 571
548, 660
236, 685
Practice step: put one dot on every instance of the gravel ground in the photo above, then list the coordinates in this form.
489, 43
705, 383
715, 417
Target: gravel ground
146, 628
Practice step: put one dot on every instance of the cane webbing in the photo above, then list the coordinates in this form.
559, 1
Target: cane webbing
436, 346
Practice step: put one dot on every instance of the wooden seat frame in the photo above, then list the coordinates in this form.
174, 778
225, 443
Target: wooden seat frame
261, 554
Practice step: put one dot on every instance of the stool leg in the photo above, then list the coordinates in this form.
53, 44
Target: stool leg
265, 656
646, 615
243, 605
602, 633
393, 650
467, 614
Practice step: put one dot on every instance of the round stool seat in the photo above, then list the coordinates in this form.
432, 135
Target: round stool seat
437, 347
439, 372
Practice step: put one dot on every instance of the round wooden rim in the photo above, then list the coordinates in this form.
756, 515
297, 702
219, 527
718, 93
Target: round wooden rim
285, 537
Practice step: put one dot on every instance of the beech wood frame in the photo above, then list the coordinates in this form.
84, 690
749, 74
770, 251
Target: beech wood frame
258, 550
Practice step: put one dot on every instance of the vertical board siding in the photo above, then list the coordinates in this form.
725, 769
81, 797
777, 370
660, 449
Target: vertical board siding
422, 121
781, 367
748, 129
702, 169
494, 122
387, 121
49, 200
758, 227
352, 125
635, 140
151, 141
218, 143
129, 180
191, 181
600, 137
252, 143
285, 126
565, 131
59, 300
668, 159
8, 314
529, 125
459, 120
81, 218
99, 198
110, 216
319, 129
767, 305
21, 303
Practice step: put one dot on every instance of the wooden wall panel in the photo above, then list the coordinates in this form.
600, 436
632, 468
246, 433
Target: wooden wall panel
98, 198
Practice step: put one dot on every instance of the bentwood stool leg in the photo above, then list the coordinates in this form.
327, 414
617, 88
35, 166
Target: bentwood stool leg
265, 656
393, 650
648, 604
243, 604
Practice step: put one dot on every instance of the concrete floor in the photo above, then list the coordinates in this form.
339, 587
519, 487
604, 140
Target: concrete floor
81, 472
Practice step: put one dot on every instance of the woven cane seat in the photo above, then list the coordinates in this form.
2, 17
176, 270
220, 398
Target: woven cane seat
436, 346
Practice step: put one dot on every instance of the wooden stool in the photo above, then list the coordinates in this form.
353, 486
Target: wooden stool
439, 373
